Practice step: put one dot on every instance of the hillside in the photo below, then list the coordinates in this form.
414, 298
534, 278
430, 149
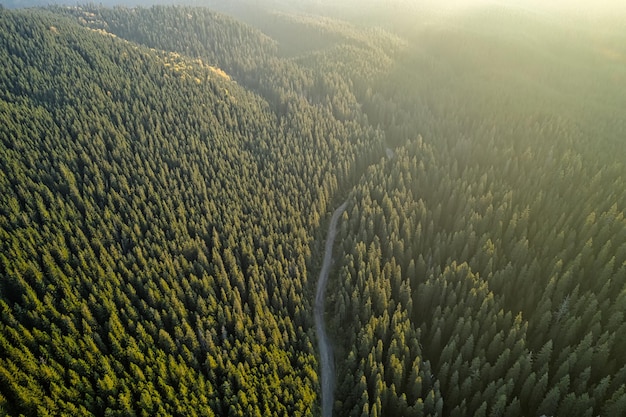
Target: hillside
168, 175
157, 220
483, 268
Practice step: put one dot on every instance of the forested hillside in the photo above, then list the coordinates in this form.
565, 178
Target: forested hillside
167, 176
483, 267
157, 217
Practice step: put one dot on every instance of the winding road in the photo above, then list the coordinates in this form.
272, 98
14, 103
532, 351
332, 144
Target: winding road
327, 364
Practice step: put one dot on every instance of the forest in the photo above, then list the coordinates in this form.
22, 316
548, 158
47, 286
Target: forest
168, 175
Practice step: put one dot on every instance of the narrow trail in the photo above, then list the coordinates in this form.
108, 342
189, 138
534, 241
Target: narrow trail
327, 364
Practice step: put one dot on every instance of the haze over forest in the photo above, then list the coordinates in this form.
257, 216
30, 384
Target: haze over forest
372, 208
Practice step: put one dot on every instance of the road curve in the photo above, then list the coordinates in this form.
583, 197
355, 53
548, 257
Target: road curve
327, 364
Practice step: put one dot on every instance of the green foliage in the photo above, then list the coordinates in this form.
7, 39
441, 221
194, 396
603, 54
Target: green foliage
504, 225
166, 174
158, 219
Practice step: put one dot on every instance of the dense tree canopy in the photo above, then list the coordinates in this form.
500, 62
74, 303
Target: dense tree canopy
167, 174
497, 241
157, 218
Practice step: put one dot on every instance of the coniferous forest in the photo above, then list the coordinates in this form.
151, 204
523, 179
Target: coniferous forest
168, 175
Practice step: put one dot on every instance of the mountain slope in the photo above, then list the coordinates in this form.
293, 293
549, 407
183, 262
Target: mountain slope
156, 223
168, 174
